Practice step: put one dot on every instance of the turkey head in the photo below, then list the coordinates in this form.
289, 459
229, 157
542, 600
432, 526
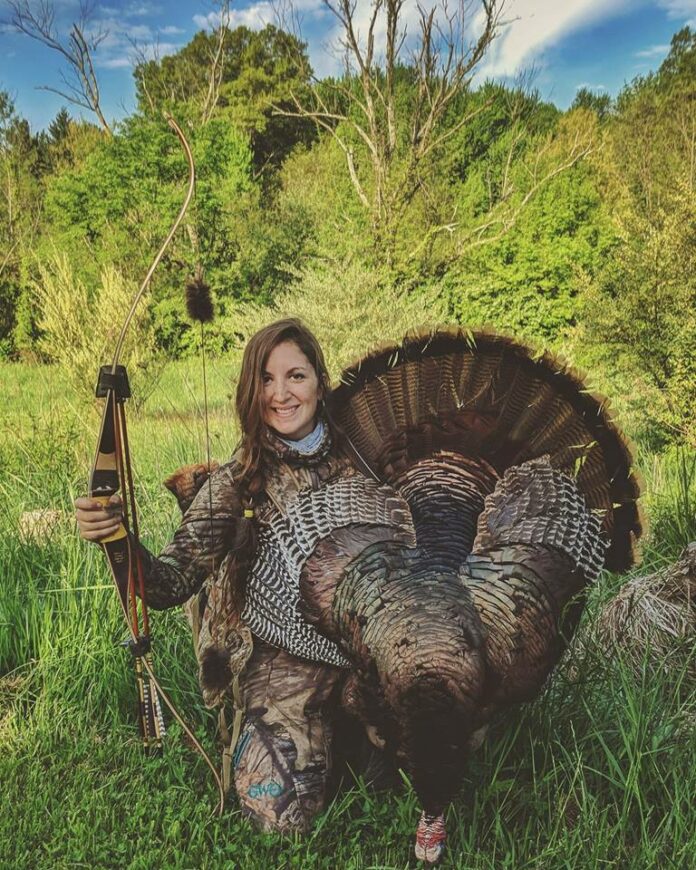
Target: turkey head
418, 644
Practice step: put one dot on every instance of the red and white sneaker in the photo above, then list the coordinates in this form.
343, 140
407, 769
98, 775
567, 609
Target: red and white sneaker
430, 838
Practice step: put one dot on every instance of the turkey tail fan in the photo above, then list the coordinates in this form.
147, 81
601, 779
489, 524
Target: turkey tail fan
472, 404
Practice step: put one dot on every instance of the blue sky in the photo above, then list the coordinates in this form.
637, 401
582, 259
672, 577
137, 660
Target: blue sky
598, 44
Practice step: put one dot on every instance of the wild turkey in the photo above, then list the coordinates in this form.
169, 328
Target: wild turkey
450, 582
521, 490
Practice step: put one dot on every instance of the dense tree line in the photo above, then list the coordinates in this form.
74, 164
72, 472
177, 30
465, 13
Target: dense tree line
576, 229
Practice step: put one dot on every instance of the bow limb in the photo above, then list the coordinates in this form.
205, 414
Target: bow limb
182, 211
108, 476
111, 474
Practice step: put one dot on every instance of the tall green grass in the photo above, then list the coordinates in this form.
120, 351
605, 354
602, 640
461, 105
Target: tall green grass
598, 772
671, 499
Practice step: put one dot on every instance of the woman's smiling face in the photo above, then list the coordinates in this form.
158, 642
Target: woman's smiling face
290, 391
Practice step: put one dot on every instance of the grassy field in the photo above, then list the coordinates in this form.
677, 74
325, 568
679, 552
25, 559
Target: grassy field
599, 772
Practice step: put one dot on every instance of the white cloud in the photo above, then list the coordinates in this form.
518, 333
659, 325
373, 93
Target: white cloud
118, 31
653, 51
255, 17
142, 9
259, 14
125, 43
535, 24
171, 30
127, 58
680, 9
116, 62
590, 87
153, 50
131, 10
207, 22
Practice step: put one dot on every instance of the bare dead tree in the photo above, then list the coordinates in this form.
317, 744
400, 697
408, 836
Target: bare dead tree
444, 59
36, 19
400, 141
217, 62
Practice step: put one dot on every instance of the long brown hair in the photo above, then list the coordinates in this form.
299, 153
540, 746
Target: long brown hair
250, 392
254, 449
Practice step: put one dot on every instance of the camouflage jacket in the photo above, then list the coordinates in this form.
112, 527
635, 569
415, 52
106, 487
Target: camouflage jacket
201, 564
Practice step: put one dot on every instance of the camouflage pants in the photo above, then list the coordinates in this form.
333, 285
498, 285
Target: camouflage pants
282, 761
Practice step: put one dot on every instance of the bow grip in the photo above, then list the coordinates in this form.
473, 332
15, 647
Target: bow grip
120, 531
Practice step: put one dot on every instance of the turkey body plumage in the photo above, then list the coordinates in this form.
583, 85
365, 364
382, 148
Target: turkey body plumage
442, 637
520, 491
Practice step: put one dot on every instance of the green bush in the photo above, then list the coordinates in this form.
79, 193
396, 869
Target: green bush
79, 329
350, 307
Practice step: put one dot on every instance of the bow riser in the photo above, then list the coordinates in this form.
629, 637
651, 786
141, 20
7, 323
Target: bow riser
104, 482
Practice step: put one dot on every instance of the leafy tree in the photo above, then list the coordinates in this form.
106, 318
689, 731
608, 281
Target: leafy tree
600, 104
479, 187
639, 311
679, 67
497, 112
257, 72
529, 281
70, 142
22, 162
59, 128
59, 138
653, 138
117, 205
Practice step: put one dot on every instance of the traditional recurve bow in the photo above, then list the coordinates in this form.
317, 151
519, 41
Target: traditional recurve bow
111, 474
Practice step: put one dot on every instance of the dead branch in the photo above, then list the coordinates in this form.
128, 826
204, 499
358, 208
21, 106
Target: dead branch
36, 19
217, 64
141, 60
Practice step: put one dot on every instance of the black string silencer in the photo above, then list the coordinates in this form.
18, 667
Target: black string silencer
199, 301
